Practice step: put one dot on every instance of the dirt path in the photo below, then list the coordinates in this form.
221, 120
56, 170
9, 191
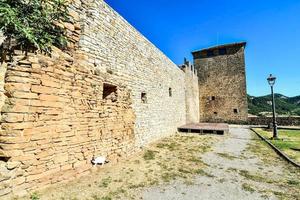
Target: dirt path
239, 167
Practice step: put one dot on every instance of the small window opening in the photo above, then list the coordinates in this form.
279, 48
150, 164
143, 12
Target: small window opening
236, 111
222, 51
215, 113
144, 97
210, 53
211, 98
170, 92
110, 92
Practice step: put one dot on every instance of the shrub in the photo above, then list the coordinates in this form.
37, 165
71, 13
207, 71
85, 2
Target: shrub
33, 23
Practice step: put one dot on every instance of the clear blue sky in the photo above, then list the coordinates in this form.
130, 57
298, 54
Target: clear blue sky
271, 28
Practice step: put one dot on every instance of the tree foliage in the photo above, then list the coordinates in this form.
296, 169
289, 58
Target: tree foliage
284, 105
33, 23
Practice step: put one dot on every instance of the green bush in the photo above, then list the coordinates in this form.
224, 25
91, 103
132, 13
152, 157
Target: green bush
31, 23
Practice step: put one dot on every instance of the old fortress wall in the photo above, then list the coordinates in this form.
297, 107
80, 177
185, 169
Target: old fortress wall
191, 93
111, 94
115, 47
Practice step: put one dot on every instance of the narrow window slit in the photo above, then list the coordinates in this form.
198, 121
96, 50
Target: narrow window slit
144, 97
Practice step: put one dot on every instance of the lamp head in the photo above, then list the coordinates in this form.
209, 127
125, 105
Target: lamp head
271, 80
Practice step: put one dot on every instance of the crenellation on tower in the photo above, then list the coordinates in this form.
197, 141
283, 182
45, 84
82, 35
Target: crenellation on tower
188, 67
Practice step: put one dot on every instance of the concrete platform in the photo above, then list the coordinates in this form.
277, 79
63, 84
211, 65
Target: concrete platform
205, 128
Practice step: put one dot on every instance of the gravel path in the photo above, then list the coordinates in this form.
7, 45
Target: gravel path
234, 172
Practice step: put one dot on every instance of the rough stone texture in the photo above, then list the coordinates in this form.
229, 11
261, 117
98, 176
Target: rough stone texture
58, 112
191, 93
3, 67
281, 121
114, 46
109, 93
222, 83
55, 120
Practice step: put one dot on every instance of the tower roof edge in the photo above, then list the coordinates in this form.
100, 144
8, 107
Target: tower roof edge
242, 44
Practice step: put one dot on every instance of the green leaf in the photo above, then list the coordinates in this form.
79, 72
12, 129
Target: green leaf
31, 23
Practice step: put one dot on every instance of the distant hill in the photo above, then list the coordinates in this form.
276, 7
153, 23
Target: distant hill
284, 105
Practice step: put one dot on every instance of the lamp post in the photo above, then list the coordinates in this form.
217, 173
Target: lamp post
271, 80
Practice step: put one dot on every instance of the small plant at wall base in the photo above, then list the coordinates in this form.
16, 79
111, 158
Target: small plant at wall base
33, 24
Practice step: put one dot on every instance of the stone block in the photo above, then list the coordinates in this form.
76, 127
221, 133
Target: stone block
61, 158
17, 126
43, 89
17, 109
12, 165
5, 191
50, 83
23, 87
19, 192
18, 181
69, 26
25, 95
51, 104
74, 14
33, 177
18, 79
33, 59
66, 167
12, 117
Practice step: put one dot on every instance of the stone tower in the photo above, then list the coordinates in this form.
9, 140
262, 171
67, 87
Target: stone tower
222, 83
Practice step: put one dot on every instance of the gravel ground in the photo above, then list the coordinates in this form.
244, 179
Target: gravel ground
239, 167
235, 166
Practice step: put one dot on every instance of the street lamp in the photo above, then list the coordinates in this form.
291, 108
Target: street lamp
271, 80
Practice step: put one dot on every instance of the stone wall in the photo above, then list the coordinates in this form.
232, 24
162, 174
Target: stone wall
222, 83
55, 120
281, 121
107, 95
3, 67
191, 93
113, 46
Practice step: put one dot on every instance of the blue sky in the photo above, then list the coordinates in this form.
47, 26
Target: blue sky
271, 28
